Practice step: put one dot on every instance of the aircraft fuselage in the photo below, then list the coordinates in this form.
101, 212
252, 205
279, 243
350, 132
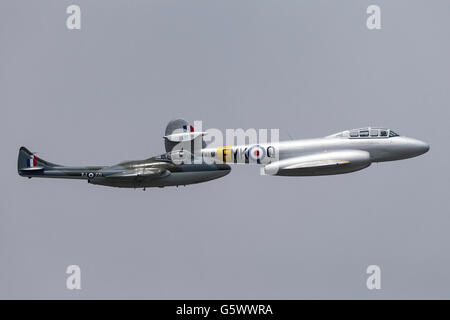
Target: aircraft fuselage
348, 153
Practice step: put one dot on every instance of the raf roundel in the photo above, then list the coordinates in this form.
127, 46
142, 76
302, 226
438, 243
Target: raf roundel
91, 175
256, 153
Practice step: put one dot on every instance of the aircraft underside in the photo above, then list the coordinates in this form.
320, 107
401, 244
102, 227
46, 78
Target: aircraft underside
174, 179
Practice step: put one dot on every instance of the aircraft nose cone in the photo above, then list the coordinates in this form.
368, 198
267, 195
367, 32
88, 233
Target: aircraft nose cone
408, 147
426, 147
422, 147
223, 169
419, 147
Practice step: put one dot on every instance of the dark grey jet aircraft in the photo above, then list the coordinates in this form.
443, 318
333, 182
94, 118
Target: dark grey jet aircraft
160, 171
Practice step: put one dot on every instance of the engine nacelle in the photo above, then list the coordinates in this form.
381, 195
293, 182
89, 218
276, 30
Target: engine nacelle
325, 163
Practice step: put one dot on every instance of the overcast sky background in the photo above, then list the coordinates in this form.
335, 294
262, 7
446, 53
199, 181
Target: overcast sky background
104, 94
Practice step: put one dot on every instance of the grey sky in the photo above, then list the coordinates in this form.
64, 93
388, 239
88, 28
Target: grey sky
310, 68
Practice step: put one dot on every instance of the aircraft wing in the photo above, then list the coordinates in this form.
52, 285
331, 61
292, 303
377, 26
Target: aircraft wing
320, 163
140, 173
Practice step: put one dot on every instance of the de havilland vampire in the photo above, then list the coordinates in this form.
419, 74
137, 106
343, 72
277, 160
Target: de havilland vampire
343, 152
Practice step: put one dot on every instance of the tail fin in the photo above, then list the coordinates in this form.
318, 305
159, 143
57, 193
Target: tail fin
179, 131
29, 162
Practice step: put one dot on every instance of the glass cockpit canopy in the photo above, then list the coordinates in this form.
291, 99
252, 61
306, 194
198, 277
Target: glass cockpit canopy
366, 133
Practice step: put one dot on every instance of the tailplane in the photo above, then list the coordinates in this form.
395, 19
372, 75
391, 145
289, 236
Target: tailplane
181, 135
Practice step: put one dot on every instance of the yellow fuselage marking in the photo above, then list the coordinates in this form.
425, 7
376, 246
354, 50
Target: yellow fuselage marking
224, 154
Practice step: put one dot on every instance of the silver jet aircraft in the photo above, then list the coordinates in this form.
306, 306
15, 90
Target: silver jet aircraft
343, 152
